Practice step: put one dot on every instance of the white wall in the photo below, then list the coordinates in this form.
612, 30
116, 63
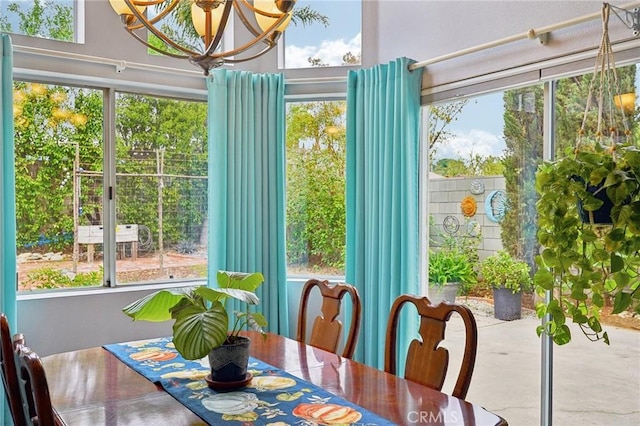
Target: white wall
445, 195
427, 29
66, 320
69, 320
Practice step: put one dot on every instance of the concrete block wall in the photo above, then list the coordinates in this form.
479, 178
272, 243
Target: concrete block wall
445, 196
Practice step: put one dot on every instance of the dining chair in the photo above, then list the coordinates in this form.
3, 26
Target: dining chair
10, 373
427, 363
327, 329
35, 389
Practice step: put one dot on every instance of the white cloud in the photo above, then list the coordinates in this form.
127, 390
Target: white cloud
465, 145
330, 52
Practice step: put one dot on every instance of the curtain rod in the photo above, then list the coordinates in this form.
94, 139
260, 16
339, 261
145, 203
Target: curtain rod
118, 64
531, 34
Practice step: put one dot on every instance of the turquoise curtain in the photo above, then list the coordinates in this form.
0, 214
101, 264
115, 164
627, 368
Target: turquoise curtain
383, 117
247, 184
8, 195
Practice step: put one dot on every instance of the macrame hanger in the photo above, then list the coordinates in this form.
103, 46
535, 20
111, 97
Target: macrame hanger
608, 86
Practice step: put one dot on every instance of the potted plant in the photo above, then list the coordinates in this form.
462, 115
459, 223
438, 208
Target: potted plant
202, 325
448, 270
508, 277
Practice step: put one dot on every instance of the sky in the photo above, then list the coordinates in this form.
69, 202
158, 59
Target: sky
330, 43
478, 129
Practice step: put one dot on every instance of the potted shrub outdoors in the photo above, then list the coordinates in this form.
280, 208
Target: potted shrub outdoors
508, 277
585, 264
448, 270
201, 324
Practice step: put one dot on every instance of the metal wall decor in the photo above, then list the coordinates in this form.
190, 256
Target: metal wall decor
451, 224
495, 205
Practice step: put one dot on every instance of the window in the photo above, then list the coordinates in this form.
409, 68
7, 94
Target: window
316, 138
489, 148
41, 18
484, 152
160, 191
58, 150
324, 33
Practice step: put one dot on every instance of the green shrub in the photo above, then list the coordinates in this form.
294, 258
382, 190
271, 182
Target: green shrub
48, 278
446, 266
502, 270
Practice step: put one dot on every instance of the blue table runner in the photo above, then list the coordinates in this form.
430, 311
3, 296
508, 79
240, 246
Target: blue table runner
273, 397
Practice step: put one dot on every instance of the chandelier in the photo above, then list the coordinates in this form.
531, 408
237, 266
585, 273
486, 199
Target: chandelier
265, 20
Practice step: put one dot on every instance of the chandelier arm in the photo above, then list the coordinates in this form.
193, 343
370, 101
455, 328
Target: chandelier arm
244, 19
143, 19
268, 36
269, 41
262, 12
148, 24
211, 47
254, 56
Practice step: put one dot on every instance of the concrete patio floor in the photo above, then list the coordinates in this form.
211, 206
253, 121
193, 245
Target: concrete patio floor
594, 384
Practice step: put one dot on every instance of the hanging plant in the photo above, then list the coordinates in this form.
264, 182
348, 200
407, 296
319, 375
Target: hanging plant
584, 263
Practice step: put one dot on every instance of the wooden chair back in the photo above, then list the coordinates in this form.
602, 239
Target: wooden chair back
36, 389
10, 374
327, 329
427, 363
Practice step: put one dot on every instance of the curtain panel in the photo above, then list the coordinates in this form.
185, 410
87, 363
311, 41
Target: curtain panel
383, 118
8, 195
247, 184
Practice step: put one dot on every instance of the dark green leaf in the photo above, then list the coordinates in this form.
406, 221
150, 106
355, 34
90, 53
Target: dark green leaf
594, 324
621, 302
617, 263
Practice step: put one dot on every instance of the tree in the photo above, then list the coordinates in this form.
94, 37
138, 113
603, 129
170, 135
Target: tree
50, 121
476, 165
155, 132
347, 59
316, 215
307, 16
45, 19
441, 116
523, 132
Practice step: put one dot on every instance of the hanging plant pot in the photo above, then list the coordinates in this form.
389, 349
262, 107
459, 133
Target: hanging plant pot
601, 216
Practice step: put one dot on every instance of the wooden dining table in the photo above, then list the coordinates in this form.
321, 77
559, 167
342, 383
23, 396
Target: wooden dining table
93, 387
